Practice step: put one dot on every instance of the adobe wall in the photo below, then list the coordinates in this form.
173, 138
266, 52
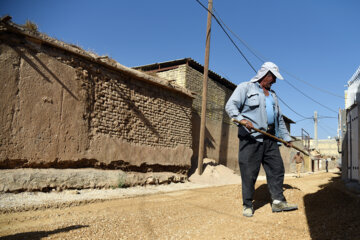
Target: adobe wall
60, 110
178, 74
221, 141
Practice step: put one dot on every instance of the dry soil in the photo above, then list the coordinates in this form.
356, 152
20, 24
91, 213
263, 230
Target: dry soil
326, 211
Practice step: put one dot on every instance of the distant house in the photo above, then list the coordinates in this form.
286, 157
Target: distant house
326, 147
221, 141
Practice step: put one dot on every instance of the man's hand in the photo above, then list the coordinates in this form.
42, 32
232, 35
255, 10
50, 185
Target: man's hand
288, 144
247, 124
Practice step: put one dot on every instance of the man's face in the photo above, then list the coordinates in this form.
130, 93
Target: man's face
268, 80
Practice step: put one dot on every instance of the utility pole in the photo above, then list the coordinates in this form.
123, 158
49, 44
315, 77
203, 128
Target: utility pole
204, 91
315, 129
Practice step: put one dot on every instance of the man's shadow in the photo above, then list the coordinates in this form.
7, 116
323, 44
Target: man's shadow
37, 235
262, 195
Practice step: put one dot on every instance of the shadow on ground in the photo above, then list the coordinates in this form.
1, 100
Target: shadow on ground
41, 234
262, 195
332, 212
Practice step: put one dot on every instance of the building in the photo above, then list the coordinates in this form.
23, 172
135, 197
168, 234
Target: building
328, 147
350, 131
352, 94
221, 141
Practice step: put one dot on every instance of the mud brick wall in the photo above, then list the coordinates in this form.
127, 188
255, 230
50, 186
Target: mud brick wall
178, 74
139, 113
217, 95
192, 79
61, 110
221, 142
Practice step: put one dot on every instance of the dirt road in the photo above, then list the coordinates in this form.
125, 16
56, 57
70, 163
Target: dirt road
325, 212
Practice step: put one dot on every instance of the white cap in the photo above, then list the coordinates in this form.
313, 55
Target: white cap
265, 68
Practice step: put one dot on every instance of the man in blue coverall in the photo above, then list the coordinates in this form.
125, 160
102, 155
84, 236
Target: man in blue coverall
256, 105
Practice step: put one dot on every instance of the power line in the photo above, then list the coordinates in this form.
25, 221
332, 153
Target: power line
312, 118
317, 88
241, 51
242, 54
261, 58
290, 107
326, 130
309, 118
331, 128
325, 117
309, 97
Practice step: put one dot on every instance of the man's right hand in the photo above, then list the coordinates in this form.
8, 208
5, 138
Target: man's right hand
247, 124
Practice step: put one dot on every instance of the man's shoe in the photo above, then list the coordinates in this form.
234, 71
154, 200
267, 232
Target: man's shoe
283, 206
248, 211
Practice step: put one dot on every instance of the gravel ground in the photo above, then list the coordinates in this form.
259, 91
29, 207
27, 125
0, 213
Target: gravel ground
213, 175
11, 202
326, 211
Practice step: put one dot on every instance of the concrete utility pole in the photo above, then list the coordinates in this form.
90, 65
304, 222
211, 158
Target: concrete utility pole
204, 92
315, 129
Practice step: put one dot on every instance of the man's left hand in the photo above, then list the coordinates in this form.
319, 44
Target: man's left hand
289, 144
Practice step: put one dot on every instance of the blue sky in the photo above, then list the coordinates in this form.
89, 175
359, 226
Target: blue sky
316, 41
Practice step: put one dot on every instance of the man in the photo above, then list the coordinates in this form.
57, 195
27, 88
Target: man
256, 105
327, 164
298, 160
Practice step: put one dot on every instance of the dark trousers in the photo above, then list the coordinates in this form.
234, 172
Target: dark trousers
251, 155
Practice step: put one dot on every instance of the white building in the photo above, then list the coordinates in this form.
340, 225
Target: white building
351, 142
352, 95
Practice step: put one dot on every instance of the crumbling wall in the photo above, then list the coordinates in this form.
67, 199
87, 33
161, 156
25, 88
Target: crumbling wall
60, 110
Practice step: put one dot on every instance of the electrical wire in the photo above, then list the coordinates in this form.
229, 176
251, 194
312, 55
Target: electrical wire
257, 55
319, 117
309, 97
330, 128
309, 118
242, 54
326, 130
290, 107
220, 24
317, 88
312, 118
259, 58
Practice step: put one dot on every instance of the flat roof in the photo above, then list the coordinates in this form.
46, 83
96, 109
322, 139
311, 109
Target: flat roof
191, 62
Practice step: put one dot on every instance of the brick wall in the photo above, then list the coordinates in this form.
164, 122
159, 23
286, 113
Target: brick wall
178, 74
217, 95
140, 113
221, 142
69, 111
